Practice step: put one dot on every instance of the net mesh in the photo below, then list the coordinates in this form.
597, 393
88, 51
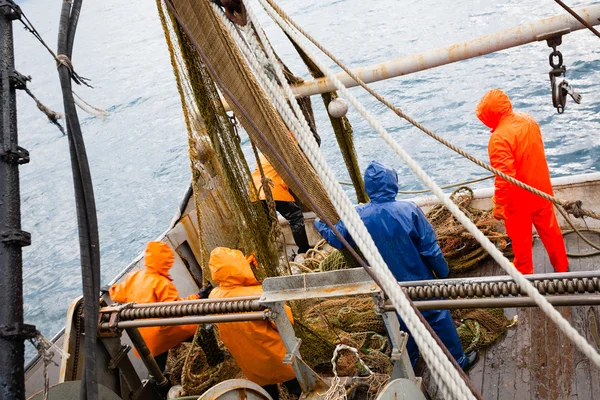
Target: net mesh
210, 34
223, 188
460, 249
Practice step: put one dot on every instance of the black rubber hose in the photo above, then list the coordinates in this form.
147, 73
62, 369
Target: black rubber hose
73, 20
84, 200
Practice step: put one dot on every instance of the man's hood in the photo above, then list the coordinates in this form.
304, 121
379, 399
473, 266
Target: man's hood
492, 107
159, 258
229, 268
381, 183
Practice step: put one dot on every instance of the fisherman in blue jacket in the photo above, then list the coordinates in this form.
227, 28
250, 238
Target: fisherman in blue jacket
407, 243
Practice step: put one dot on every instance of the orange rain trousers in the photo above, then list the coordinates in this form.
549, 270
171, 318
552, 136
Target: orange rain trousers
517, 149
153, 285
518, 228
255, 345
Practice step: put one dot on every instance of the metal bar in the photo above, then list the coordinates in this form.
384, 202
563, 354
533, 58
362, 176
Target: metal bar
309, 381
149, 361
504, 302
12, 239
213, 319
400, 358
482, 45
501, 278
487, 44
199, 301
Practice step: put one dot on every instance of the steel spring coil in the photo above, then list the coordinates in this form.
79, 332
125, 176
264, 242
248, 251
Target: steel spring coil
494, 289
183, 310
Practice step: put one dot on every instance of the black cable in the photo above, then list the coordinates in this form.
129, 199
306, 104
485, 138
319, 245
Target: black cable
84, 200
73, 20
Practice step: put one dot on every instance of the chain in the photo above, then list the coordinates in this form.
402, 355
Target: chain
562, 88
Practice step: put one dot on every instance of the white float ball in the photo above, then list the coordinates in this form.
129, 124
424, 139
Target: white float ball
338, 108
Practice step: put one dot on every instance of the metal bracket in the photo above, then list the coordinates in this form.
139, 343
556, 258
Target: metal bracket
116, 360
18, 80
291, 356
113, 320
18, 331
16, 236
553, 36
10, 10
16, 156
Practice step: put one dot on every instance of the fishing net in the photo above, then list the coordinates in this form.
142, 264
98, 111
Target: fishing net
271, 135
481, 327
323, 324
460, 249
222, 183
199, 365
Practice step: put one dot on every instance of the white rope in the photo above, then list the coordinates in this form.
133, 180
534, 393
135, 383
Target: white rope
581, 343
447, 378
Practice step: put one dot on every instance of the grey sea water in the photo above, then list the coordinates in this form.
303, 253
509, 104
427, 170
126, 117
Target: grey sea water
138, 154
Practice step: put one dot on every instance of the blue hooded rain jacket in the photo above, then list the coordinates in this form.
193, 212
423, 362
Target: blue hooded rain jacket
407, 243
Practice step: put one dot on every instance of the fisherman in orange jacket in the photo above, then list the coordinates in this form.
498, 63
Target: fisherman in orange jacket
516, 148
255, 345
284, 202
154, 285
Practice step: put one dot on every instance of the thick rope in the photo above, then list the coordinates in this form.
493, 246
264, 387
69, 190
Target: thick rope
358, 232
448, 378
565, 204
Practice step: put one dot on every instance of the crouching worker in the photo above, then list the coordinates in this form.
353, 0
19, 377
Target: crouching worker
408, 245
255, 345
285, 203
153, 285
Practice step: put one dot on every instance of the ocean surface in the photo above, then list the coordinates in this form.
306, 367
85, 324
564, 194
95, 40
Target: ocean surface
138, 154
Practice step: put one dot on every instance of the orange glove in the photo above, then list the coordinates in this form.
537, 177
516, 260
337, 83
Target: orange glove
252, 260
498, 210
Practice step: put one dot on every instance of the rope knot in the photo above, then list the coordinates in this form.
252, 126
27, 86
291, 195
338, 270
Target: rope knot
575, 208
62, 59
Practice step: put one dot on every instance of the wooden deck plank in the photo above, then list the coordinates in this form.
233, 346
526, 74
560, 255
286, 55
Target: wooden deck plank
506, 351
588, 381
523, 366
539, 372
535, 360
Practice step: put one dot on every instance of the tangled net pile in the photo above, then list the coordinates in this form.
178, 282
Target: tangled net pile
353, 321
460, 249
199, 365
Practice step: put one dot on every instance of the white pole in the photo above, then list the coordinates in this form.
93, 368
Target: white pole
502, 40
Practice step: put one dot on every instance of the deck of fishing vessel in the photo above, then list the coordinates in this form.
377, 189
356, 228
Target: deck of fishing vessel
535, 360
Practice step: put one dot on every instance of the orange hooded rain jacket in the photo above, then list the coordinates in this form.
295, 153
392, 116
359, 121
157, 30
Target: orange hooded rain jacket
516, 148
255, 345
279, 188
153, 285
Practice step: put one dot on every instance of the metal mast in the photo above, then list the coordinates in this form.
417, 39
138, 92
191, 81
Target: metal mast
12, 238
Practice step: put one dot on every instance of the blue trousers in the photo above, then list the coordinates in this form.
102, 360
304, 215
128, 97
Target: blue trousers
442, 323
